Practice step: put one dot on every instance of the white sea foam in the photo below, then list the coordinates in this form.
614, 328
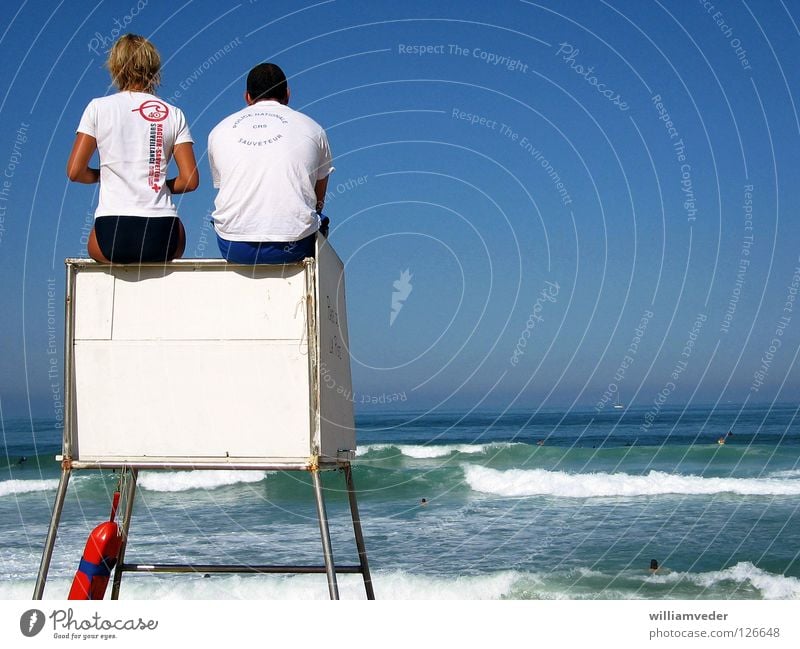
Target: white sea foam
171, 481
538, 482
396, 585
429, 451
16, 487
368, 448
791, 473
401, 585
771, 586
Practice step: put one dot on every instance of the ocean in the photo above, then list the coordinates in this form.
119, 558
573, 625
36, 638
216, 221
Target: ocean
551, 505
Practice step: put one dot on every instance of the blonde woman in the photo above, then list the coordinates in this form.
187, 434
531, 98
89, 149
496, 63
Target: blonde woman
135, 134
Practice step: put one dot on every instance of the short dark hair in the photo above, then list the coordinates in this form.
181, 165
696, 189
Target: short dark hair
267, 81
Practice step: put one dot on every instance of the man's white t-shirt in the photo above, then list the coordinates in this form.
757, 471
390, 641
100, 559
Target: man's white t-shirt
136, 133
265, 161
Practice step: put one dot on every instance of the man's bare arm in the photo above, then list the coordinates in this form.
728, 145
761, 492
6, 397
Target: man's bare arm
320, 188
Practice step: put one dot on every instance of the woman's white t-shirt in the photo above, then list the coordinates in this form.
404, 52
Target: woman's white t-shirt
136, 133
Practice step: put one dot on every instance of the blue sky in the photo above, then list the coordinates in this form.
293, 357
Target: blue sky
588, 197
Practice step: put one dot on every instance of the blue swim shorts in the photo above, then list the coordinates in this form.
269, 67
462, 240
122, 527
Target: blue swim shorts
266, 252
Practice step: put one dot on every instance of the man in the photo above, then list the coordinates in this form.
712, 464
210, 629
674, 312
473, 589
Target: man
271, 166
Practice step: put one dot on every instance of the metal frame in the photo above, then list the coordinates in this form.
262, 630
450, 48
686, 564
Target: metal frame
130, 470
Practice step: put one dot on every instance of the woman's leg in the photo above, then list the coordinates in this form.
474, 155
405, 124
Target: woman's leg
93, 248
181, 242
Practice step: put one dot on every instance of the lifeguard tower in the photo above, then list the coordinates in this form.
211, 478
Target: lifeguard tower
201, 364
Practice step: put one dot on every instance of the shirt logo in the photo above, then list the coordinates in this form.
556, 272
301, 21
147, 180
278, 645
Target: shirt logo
153, 111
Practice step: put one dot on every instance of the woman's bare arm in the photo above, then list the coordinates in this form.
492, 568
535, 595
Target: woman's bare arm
78, 169
188, 178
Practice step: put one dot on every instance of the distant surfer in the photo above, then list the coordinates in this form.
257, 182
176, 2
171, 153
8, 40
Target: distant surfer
540, 442
22, 460
724, 438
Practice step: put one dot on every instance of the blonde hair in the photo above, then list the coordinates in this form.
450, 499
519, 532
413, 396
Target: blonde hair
134, 64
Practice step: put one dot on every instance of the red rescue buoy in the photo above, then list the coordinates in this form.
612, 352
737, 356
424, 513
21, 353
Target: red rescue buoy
98, 560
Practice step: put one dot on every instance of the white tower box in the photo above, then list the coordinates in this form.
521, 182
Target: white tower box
199, 362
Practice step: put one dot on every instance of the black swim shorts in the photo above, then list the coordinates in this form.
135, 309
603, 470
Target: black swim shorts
137, 239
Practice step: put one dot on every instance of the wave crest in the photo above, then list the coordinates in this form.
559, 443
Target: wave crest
771, 586
430, 451
174, 481
539, 482
15, 487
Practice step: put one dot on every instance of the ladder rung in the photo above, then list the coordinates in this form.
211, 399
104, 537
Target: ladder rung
174, 567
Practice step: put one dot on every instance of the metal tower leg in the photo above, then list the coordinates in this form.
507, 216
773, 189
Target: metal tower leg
50, 542
130, 494
362, 551
324, 531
